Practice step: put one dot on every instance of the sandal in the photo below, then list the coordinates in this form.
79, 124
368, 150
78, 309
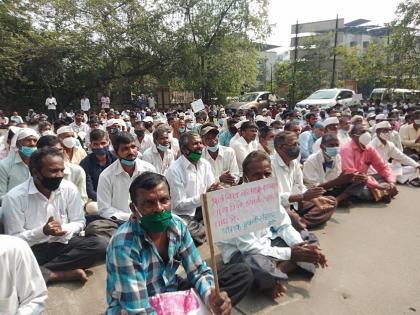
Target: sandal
415, 182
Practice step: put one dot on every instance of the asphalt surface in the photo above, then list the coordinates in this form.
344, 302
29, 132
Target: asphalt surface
374, 268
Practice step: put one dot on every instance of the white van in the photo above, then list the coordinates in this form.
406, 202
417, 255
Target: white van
328, 98
392, 95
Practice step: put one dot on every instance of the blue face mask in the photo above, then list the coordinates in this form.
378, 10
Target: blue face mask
162, 148
190, 126
128, 162
100, 151
332, 151
221, 121
181, 130
213, 149
27, 151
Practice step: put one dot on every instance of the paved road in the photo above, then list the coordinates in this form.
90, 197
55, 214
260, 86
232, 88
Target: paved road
374, 268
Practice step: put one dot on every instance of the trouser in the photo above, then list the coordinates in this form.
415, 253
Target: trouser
264, 268
196, 226
234, 279
79, 253
103, 227
312, 215
412, 153
52, 115
408, 174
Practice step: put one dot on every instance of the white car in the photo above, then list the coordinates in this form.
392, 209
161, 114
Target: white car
328, 98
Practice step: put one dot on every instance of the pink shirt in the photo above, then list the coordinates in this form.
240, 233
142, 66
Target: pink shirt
354, 159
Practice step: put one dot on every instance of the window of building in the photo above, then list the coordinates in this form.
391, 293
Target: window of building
365, 44
353, 44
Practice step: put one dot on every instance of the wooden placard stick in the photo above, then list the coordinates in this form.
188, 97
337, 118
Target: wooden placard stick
210, 241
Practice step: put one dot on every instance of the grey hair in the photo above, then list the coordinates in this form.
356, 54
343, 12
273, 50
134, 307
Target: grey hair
328, 137
184, 138
254, 156
280, 138
354, 130
159, 131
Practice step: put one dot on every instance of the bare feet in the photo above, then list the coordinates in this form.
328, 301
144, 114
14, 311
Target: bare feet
286, 266
278, 290
68, 275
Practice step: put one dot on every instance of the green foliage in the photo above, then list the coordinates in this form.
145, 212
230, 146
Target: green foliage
96, 46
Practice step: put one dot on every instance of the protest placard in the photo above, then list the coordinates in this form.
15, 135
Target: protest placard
197, 105
240, 210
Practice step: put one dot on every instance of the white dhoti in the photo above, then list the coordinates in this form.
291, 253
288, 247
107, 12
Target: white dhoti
404, 173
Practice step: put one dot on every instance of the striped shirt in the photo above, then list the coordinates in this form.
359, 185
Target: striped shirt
136, 271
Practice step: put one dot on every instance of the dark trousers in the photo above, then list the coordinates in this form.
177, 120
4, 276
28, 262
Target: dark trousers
196, 227
52, 115
234, 279
412, 153
79, 253
264, 268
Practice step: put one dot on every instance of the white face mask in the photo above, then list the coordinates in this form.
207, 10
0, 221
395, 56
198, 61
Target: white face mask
372, 123
48, 133
69, 142
417, 121
385, 136
365, 138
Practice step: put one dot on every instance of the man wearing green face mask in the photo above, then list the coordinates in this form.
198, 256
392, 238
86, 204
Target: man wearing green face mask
189, 177
145, 253
14, 169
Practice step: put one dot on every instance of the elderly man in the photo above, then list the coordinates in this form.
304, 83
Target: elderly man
246, 143
189, 177
357, 156
274, 251
343, 132
410, 137
323, 169
313, 208
222, 159
46, 212
308, 138
158, 241
114, 181
160, 155
14, 169
394, 135
73, 153
404, 168
330, 126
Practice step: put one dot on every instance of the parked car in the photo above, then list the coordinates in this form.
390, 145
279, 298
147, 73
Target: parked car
253, 100
328, 98
392, 95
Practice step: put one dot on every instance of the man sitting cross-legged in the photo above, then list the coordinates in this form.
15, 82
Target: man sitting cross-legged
46, 211
146, 251
273, 252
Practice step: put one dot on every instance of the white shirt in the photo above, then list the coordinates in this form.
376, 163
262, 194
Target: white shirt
259, 242
289, 178
152, 156
16, 119
187, 183
343, 136
51, 103
85, 104
22, 288
112, 195
76, 174
26, 211
78, 128
242, 149
313, 169
225, 161
145, 144
389, 151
